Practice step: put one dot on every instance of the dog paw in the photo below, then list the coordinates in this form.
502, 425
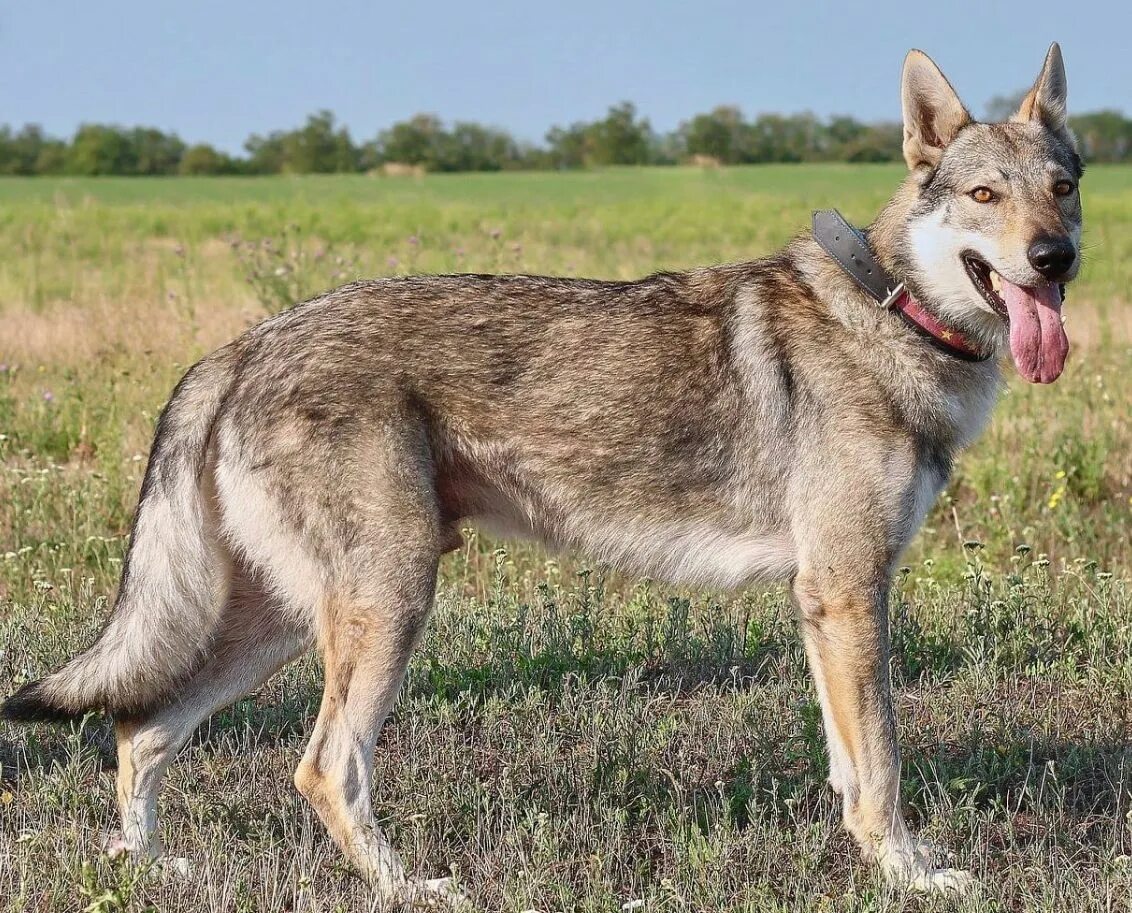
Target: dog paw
179, 867
120, 848
911, 868
433, 893
942, 881
116, 847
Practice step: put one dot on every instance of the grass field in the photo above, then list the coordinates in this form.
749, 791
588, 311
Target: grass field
568, 739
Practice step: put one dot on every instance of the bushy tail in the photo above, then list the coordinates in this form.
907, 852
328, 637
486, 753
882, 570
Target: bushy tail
172, 578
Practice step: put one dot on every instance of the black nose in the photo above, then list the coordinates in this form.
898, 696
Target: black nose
1051, 256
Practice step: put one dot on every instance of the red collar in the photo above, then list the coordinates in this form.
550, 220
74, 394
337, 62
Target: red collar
925, 323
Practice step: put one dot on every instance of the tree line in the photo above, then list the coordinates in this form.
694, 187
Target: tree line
622, 137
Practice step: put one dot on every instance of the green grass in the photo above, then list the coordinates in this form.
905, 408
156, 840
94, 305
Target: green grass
567, 739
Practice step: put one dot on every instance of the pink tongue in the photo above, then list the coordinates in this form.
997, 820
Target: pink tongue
1037, 338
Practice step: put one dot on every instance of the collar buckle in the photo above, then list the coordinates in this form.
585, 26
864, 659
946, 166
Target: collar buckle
893, 296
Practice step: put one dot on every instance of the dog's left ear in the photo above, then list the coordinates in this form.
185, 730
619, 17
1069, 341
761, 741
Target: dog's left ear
933, 113
1045, 102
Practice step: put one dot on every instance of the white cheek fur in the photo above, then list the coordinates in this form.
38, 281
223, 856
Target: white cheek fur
936, 249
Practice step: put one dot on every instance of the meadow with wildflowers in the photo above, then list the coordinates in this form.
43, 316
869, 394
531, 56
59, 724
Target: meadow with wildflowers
568, 739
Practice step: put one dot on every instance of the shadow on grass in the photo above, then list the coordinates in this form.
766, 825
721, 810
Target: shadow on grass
549, 670
1089, 781
1086, 803
1037, 786
45, 747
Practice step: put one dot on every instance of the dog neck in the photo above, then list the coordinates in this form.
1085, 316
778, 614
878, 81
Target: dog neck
851, 250
941, 398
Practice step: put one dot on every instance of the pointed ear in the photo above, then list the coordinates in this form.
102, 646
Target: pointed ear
933, 113
1045, 102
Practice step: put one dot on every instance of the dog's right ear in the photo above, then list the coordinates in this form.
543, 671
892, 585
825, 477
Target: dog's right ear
933, 113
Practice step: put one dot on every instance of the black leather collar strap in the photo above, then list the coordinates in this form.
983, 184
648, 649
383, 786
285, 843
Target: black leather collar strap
848, 247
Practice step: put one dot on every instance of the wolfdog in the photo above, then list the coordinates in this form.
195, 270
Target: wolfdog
790, 418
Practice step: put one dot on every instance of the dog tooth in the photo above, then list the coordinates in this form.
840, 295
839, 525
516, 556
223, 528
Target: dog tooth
995, 281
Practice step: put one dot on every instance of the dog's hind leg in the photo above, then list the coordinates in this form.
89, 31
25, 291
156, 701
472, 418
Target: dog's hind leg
254, 639
368, 624
367, 634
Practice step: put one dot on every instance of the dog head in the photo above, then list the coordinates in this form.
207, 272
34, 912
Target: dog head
994, 228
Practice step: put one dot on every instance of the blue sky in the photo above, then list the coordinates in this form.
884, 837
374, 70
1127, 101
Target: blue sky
216, 72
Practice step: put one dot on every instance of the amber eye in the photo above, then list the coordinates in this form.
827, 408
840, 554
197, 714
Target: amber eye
982, 194
1063, 188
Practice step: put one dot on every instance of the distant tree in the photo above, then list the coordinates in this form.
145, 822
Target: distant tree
369, 156
52, 157
265, 153
1103, 136
842, 133
568, 146
785, 138
472, 147
204, 159
424, 140
533, 157
877, 143
8, 162
620, 138
667, 148
721, 133
28, 150
155, 152
416, 141
317, 147
101, 149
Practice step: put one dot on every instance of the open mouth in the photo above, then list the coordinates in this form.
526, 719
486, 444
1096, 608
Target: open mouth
988, 282
1033, 314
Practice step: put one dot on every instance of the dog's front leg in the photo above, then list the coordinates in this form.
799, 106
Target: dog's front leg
845, 626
